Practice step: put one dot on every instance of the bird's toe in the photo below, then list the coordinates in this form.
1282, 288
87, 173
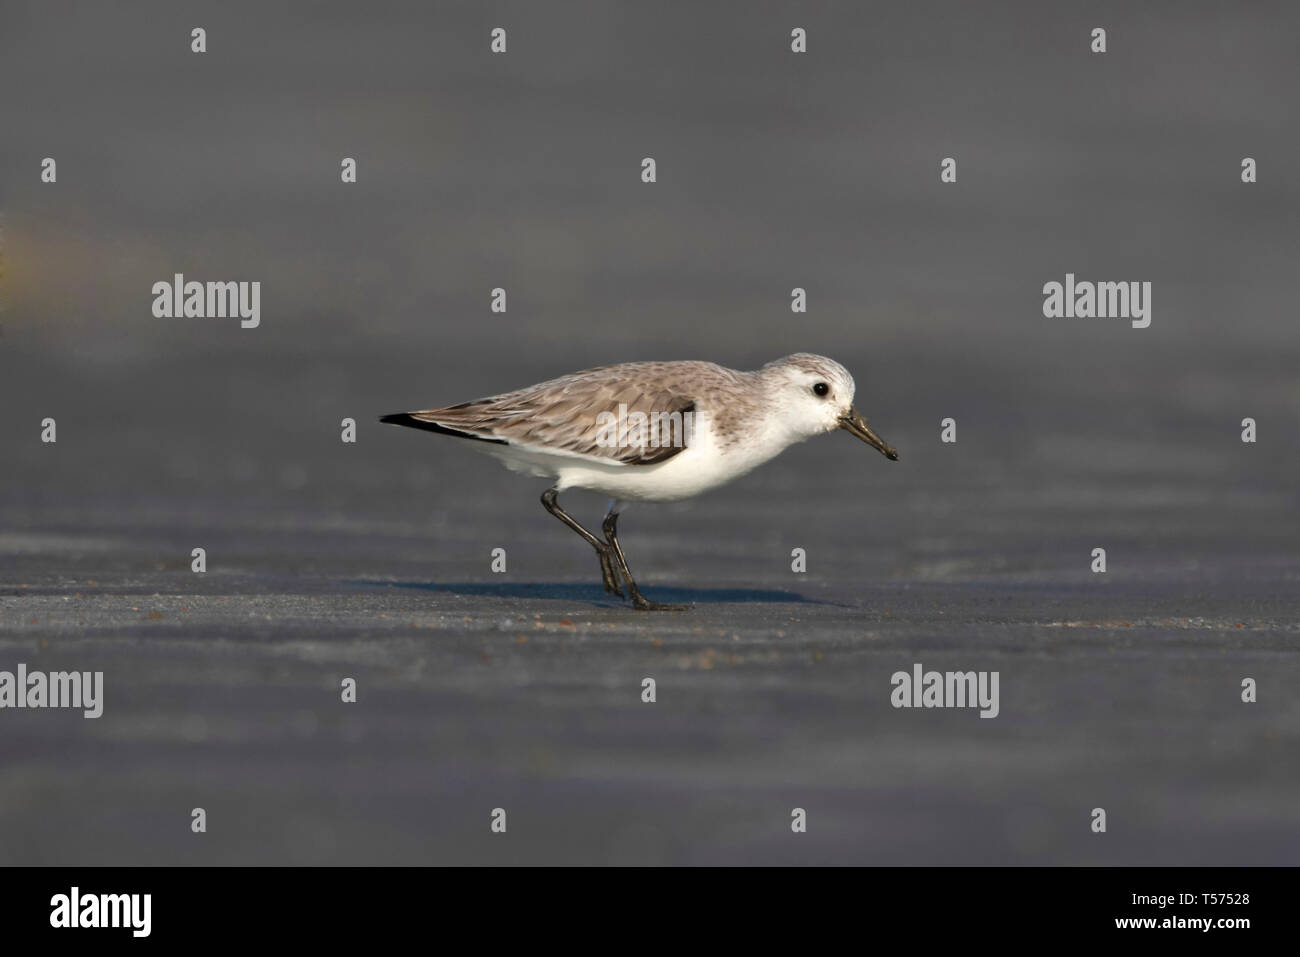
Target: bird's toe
641, 603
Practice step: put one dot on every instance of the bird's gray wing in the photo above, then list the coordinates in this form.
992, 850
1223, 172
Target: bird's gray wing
596, 414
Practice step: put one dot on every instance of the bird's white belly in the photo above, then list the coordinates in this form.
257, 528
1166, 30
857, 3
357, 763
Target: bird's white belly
705, 465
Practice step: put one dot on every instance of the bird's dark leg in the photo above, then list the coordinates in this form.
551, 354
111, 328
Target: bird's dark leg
603, 549
639, 601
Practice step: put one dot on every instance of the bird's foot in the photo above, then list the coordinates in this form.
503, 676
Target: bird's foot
641, 603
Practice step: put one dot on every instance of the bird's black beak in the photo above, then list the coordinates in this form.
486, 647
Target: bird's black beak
852, 421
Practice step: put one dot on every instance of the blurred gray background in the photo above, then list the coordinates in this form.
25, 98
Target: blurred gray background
521, 690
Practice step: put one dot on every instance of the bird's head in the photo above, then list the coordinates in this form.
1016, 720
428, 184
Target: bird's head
814, 395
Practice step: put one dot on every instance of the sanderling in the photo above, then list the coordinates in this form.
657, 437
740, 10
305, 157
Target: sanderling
652, 432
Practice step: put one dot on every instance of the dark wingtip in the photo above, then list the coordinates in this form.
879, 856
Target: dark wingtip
411, 422
414, 422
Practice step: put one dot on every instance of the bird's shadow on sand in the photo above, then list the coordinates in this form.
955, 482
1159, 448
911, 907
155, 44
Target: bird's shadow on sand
594, 594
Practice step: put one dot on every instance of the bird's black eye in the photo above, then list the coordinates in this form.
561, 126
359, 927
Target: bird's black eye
821, 388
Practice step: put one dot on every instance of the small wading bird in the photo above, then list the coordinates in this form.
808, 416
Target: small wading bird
652, 432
